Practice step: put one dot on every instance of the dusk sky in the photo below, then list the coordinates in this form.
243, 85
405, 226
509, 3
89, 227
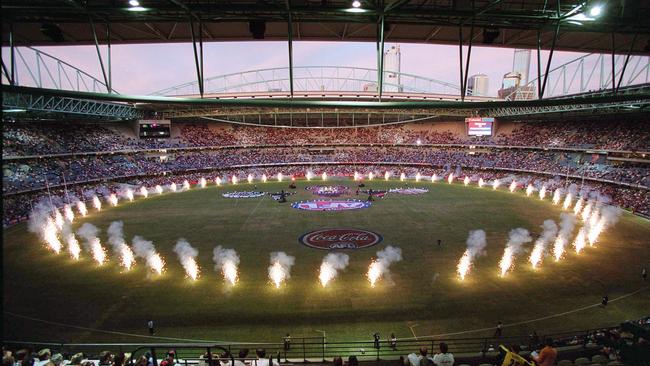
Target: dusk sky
143, 69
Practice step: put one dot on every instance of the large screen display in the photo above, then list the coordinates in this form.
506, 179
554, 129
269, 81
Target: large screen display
479, 126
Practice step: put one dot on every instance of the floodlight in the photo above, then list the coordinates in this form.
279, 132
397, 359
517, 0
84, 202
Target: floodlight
134, 3
356, 4
595, 10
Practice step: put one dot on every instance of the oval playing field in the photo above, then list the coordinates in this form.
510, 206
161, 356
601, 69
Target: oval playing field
422, 297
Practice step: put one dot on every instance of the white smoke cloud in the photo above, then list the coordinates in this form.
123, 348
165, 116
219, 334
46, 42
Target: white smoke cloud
331, 265
116, 240
187, 255
226, 261
381, 266
88, 232
476, 243
567, 223
280, 268
146, 250
516, 240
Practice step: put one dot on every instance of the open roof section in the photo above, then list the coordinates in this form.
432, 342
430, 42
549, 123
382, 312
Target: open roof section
511, 23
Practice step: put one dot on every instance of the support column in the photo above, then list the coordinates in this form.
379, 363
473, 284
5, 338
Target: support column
99, 55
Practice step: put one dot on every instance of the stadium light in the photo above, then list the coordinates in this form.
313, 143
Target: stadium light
134, 3
355, 7
595, 10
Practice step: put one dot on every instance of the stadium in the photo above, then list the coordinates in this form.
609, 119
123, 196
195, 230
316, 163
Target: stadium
395, 182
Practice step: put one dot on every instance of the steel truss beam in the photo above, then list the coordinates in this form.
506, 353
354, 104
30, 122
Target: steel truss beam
601, 107
58, 104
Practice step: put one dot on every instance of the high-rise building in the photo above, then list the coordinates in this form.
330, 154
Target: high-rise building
392, 68
478, 85
514, 85
521, 65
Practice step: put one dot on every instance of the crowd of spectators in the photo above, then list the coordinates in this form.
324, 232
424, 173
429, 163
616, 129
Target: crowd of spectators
21, 139
17, 206
26, 174
37, 173
626, 344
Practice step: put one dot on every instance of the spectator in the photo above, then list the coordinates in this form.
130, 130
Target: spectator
547, 356
444, 358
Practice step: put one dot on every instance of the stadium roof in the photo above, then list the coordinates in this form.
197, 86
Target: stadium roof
507, 23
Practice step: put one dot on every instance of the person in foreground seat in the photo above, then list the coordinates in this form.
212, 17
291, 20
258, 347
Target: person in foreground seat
547, 356
444, 358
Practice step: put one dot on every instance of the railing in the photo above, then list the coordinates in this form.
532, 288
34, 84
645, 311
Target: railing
316, 349
36, 68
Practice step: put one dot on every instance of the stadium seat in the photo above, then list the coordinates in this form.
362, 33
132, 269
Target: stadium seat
615, 363
565, 363
582, 361
599, 359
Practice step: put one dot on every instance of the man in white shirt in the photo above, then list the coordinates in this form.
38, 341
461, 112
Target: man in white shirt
262, 359
444, 358
414, 360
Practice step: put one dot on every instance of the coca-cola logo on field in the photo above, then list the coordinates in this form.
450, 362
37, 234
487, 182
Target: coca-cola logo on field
329, 239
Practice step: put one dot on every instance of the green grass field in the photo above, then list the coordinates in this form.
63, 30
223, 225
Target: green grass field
426, 298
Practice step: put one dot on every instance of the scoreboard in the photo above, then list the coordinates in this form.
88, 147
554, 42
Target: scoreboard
157, 129
479, 126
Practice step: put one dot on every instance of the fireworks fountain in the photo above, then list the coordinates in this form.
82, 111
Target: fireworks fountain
466, 181
332, 263
549, 231
226, 262
529, 190
217, 180
97, 203
58, 219
567, 222
418, 176
116, 240
386, 175
381, 266
250, 178
557, 196
203, 182
129, 194
513, 186
542, 192
476, 244
81, 208
495, 184
450, 178
112, 199
279, 177
309, 175
174, 188
402, 176
517, 238
280, 268
234, 179
144, 192
146, 250
578, 207
324, 176
158, 189
264, 178
187, 256
434, 178
89, 232
186, 185
67, 212
481, 182
42, 224
370, 176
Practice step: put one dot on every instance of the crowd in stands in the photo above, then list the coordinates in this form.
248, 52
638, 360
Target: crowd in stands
16, 207
23, 139
627, 344
38, 173
581, 134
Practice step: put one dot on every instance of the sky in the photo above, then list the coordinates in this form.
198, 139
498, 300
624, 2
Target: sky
146, 68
